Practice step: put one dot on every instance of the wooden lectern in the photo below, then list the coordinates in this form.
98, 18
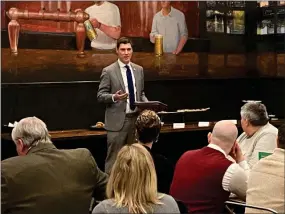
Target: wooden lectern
151, 105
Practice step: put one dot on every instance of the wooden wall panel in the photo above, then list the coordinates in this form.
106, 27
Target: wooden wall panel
136, 16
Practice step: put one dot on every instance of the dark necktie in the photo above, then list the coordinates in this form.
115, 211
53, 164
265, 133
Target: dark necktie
131, 88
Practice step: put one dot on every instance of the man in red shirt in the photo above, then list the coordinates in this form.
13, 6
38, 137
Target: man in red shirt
204, 178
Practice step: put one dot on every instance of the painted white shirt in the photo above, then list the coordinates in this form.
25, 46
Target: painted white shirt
108, 14
172, 27
125, 79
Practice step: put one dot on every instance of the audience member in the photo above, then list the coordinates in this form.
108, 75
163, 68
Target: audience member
259, 135
266, 179
204, 178
132, 186
43, 179
147, 132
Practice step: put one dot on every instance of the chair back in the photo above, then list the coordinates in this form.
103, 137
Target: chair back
250, 206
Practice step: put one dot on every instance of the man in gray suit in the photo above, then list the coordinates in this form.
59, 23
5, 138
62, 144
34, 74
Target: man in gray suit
121, 84
44, 179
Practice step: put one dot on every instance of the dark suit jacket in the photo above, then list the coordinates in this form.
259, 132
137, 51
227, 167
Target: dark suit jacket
164, 171
50, 181
112, 81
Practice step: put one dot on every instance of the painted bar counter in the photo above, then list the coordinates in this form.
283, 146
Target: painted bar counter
38, 65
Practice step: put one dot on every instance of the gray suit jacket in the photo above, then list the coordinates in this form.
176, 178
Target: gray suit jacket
48, 180
112, 81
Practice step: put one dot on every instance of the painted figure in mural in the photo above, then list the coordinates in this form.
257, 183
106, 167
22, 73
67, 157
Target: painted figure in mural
106, 20
171, 24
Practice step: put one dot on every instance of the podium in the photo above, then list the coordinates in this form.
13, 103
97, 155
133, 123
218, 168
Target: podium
151, 105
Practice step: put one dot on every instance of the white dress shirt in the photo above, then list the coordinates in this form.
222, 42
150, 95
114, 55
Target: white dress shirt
108, 14
236, 176
125, 79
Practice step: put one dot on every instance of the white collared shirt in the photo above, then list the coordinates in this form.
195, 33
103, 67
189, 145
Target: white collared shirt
125, 79
108, 14
172, 27
231, 176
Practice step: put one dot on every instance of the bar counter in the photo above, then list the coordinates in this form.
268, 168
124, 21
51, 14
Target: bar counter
167, 128
39, 65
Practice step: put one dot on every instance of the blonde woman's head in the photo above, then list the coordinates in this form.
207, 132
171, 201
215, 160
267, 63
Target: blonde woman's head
133, 182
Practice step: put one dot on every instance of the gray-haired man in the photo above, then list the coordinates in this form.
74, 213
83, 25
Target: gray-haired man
43, 179
259, 135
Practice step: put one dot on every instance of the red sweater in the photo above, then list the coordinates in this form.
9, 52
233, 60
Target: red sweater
198, 179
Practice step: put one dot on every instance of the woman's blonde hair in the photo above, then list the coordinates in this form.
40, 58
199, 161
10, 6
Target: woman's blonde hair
133, 182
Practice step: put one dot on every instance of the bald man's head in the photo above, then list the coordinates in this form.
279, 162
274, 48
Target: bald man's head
224, 132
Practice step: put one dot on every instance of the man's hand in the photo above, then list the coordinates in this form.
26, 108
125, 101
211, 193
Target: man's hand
176, 52
95, 23
119, 95
236, 153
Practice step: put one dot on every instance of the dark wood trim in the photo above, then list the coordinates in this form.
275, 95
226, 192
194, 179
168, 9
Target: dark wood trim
167, 128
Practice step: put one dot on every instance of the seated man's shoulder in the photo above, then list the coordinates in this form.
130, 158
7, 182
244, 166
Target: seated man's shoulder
272, 129
14, 166
82, 152
13, 161
241, 137
270, 164
268, 130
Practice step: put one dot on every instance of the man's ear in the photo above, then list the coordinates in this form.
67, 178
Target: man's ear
209, 137
20, 147
246, 122
234, 146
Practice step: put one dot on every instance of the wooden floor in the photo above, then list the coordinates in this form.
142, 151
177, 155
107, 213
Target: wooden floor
34, 66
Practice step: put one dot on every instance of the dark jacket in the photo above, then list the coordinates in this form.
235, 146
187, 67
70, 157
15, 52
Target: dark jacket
164, 171
48, 180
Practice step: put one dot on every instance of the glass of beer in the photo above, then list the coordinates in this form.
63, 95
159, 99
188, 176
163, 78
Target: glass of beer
158, 47
90, 31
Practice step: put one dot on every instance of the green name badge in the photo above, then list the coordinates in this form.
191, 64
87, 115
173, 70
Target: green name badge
263, 154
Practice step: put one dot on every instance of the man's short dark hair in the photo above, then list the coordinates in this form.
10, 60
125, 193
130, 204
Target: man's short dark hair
148, 126
281, 136
255, 113
123, 40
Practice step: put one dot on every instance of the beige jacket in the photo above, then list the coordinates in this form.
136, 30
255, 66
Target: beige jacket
264, 140
266, 183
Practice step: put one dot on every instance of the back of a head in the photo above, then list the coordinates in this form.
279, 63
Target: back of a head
132, 181
224, 133
31, 130
147, 126
281, 137
255, 113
